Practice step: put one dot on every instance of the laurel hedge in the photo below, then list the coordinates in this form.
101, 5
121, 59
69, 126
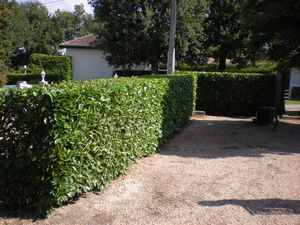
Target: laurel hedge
53, 64
233, 94
62, 140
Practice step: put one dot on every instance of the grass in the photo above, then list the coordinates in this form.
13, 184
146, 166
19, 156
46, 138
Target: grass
293, 102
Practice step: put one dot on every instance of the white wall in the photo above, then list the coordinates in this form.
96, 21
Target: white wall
90, 64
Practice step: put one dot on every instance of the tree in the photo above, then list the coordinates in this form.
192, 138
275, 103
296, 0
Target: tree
278, 28
4, 35
223, 29
136, 31
30, 31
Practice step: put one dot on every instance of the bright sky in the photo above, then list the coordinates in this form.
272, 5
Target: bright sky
67, 5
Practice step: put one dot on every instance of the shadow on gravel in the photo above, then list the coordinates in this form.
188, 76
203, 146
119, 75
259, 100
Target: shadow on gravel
262, 206
234, 138
30, 214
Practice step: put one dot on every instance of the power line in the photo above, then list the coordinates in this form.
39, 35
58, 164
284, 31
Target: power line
51, 2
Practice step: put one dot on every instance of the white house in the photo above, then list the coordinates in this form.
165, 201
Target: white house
89, 62
294, 91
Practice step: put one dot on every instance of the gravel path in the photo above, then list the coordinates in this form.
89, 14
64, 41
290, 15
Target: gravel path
217, 170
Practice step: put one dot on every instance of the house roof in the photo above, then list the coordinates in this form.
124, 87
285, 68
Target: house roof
87, 41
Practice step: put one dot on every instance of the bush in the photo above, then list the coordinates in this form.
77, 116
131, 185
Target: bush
13, 78
233, 68
234, 94
52, 64
136, 73
70, 138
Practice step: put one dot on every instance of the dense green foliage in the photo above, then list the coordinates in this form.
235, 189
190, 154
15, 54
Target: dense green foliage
62, 140
136, 32
279, 28
32, 78
34, 30
53, 64
223, 30
131, 73
4, 22
233, 94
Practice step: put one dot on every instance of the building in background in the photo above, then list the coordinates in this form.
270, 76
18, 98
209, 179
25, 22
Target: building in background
88, 62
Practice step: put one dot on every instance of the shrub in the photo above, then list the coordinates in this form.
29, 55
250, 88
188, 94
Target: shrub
13, 78
224, 93
137, 73
69, 138
233, 68
52, 64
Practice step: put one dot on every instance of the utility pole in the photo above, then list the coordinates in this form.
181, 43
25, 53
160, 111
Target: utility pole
171, 52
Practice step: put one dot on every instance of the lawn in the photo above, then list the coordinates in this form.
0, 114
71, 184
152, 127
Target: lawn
292, 102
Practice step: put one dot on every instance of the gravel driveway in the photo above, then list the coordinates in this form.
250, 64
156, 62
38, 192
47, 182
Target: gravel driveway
217, 170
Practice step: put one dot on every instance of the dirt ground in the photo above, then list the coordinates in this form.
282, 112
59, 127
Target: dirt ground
217, 170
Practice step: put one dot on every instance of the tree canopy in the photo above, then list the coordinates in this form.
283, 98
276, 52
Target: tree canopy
34, 30
136, 32
275, 24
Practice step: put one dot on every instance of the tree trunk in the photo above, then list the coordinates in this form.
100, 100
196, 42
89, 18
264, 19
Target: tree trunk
154, 67
222, 63
253, 62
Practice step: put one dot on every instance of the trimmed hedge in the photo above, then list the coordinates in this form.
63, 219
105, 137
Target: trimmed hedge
13, 78
232, 68
136, 73
234, 94
70, 138
52, 64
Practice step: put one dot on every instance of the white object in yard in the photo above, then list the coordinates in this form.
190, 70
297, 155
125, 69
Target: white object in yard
23, 85
11, 86
116, 75
25, 67
294, 81
43, 82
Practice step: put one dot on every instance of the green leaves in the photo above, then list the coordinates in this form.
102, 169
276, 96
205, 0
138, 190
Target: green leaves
225, 93
60, 65
70, 138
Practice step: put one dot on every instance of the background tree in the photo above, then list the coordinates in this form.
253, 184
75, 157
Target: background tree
136, 31
190, 33
223, 30
35, 30
4, 22
277, 26
30, 31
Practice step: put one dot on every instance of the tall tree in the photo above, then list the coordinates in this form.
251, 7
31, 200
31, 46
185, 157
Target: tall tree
276, 24
70, 25
171, 52
30, 31
223, 29
136, 31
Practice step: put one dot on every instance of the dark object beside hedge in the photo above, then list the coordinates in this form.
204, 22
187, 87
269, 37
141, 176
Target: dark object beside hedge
62, 140
265, 115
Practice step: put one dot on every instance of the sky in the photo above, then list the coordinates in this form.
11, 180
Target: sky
67, 5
